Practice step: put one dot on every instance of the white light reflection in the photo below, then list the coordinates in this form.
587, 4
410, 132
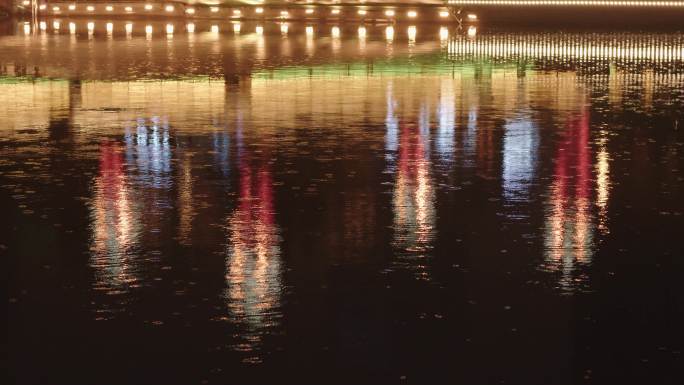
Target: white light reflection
520, 146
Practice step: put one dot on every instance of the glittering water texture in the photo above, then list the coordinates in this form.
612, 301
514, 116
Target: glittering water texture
321, 204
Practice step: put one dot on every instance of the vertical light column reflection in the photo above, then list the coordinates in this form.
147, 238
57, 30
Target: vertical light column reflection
520, 146
413, 197
569, 231
115, 223
446, 113
602, 170
186, 205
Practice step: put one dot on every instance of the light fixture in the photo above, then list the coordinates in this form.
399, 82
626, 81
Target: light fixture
284, 14
190, 27
128, 9
109, 27
362, 12
148, 7
42, 25
472, 31
259, 30
90, 26
237, 27
190, 11
169, 29
42, 7
411, 32
27, 2
169, 8
389, 33
237, 12
109, 8
309, 11
55, 25
444, 33
27, 28
72, 7
148, 29
55, 9
215, 29
411, 14
472, 16
389, 12
443, 13
214, 9
335, 32
362, 32
90, 8
129, 28
309, 30
259, 10
284, 28
335, 11
72, 28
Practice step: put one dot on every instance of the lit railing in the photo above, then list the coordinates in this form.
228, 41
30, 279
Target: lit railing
565, 3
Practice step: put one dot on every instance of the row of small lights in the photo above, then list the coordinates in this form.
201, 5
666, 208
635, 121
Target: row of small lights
236, 12
572, 2
284, 28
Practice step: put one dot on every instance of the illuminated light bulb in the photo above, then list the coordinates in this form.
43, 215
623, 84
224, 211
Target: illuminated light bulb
72, 7
284, 14
259, 30
109, 27
190, 11
42, 7
472, 31
169, 8
412, 32
27, 29
55, 25
237, 12
411, 14
190, 27
214, 29
42, 25
72, 28
472, 16
309, 30
444, 33
109, 8
362, 32
214, 9
148, 7
148, 29
389, 12
335, 11
309, 11
389, 33
90, 8
91, 27
26, 2
237, 27
283, 29
128, 9
129, 28
335, 32
362, 12
55, 9
169, 29
443, 13
259, 10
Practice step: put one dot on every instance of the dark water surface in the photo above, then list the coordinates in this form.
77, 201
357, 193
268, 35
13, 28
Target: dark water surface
341, 206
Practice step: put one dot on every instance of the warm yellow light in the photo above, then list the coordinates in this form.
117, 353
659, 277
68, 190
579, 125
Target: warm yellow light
237, 27
214, 29
55, 9
72, 28
284, 28
362, 32
42, 25
412, 32
472, 16
284, 14
309, 30
362, 12
259, 10
335, 32
309, 11
444, 33
259, 30
72, 7
169, 8
411, 14
190, 11
389, 33
169, 29
27, 28
335, 11
90, 8
214, 9
42, 7
389, 12
91, 27
26, 2
128, 9
129, 28
148, 29
472, 31
109, 8
443, 13
55, 25
190, 27
237, 12
109, 27
148, 7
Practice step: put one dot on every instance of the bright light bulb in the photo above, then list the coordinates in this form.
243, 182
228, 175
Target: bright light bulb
42, 25
214, 9
27, 2
309, 30
91, 27
190, 11
259, 30
109, 8
284, 28
259, 10
444, 33
335, 32
214, 29
27, 28
90, 8
362, 12
237, 27
169, 29
411, 14
444, 14
72, 7
335, 11
128, 9
55, 25
42, 7
55, 9
148, 29
389, 13
72, 28
190, 27
362, 32
148, 7
237, 12
412, 32
389, 33
169, 8
109, 27
472, 31
309, 11
129, 28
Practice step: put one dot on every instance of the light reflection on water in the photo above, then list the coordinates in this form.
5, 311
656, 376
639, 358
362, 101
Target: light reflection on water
246, 160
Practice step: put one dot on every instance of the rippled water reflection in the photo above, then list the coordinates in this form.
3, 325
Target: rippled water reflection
250, 203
